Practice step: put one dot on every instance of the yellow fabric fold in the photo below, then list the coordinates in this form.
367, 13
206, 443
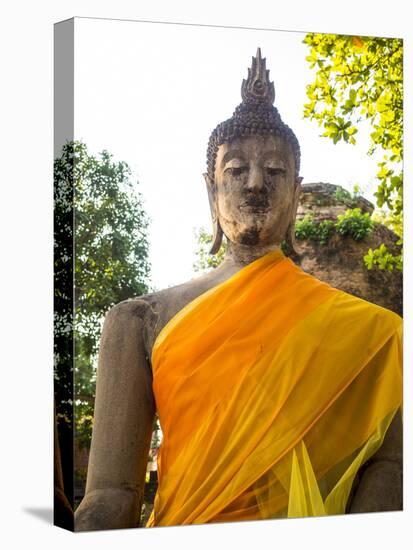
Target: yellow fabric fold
305, 498
272, 389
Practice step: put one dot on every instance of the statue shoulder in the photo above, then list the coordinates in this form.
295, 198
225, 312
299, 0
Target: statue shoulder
154, 310
161, 306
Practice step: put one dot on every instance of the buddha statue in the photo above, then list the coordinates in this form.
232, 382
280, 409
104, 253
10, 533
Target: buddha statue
278, 395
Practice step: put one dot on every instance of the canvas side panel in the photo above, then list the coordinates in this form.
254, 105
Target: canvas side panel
63, 273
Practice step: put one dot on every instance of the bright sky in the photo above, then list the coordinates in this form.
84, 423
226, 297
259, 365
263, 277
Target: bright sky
151, 94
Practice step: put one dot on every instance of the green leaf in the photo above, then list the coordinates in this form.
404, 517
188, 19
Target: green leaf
365, 78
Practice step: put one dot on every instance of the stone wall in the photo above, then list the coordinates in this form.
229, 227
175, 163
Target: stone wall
340, 261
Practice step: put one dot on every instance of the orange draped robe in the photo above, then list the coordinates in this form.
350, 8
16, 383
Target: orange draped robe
272, 389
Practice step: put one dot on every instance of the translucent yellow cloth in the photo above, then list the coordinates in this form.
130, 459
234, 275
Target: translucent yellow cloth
272, 389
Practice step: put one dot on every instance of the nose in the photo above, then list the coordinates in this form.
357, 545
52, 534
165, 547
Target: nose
255, 180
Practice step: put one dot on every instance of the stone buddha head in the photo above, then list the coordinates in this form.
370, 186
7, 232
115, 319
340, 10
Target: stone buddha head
253, 163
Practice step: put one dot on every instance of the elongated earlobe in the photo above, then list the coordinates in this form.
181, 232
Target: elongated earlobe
216, 227
290, 242
217, 237
290, 249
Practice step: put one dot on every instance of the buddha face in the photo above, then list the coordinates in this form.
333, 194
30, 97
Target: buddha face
255, 190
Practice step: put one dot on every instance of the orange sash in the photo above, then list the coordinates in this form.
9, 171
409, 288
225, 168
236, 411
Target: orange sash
272, 389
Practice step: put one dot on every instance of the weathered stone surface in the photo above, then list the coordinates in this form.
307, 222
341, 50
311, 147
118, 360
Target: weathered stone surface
323, 201
340, 261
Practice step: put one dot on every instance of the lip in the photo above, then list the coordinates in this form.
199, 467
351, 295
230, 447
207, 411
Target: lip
255, 208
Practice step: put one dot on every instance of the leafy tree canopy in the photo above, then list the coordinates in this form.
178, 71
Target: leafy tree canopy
101, 255
361, 78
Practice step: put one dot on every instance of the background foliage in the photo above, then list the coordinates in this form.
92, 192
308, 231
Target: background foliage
204, 260
101, 254
361, 79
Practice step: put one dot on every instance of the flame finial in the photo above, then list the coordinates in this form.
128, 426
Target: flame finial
257, 87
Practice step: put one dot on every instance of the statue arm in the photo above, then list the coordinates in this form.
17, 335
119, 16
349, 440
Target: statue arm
123, 420
380, 486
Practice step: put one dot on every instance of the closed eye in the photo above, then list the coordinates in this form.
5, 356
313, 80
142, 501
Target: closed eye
275, 171
236, 171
